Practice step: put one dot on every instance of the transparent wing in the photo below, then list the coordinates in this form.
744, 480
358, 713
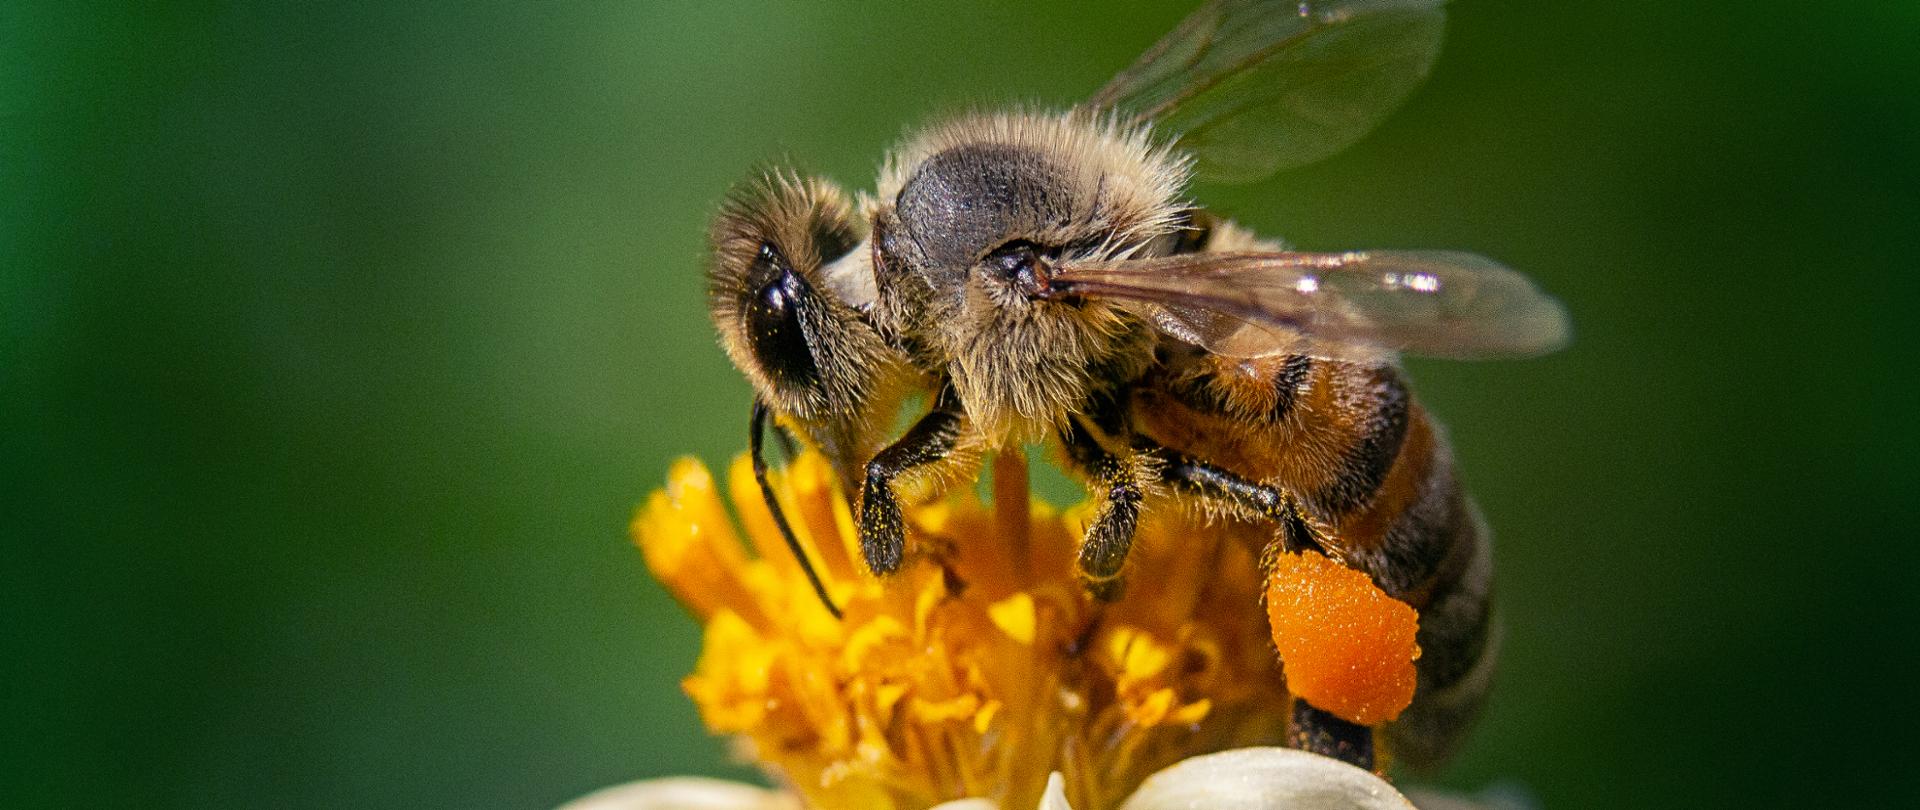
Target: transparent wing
1250, 87
1358, 304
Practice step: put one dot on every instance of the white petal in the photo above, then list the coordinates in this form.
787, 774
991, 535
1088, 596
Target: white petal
1265, 779
1056, 796
966, 804
682, 793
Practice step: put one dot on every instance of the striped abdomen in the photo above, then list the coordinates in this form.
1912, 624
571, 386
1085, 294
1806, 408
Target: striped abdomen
1376, 479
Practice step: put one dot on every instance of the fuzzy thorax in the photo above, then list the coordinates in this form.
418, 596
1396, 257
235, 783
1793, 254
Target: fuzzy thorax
960, 198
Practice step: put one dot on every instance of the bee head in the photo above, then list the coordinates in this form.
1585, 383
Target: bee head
780, 311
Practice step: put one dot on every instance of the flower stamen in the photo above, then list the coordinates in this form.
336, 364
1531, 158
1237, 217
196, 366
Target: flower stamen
982, 665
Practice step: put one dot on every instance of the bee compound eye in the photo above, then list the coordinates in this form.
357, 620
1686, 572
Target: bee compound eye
1013, 259
776, 333
1022, 264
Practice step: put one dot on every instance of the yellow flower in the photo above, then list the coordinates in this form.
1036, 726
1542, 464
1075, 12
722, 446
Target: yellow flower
979, 669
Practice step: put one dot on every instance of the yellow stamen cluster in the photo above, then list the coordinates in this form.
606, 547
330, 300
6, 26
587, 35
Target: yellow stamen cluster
980, 667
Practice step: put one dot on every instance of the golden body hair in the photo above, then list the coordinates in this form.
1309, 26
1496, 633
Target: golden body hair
963, 188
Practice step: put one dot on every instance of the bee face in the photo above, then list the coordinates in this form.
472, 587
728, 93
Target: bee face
777, 302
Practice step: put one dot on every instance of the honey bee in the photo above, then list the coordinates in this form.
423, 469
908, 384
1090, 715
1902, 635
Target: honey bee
1043, 277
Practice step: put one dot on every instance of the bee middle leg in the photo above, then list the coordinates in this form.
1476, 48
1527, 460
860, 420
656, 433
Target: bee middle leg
1119, 489
883, 538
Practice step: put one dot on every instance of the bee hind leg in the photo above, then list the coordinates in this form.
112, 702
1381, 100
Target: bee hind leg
1297, 532
1312, 729
1218, 484
1321, 732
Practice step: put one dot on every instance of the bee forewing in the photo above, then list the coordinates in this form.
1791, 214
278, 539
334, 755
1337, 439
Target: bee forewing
1434, 303
1250, 87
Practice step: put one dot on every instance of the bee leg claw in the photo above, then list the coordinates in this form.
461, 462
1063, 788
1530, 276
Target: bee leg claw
1321, 732
1106, 590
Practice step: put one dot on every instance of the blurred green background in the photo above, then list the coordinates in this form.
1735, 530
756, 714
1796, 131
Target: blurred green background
338, 344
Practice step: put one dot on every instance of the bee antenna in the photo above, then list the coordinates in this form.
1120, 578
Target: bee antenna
756, 428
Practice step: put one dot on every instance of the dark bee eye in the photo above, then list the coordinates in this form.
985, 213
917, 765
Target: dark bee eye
773, 318
1012, 259
1019, 263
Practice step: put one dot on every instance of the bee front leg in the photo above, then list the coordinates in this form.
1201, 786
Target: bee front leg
883, 538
